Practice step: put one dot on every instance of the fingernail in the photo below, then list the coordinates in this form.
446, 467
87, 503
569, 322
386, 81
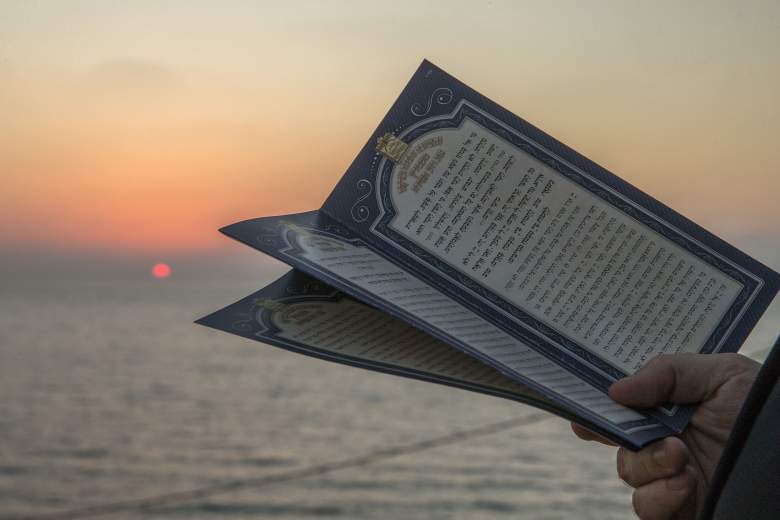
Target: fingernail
678, 483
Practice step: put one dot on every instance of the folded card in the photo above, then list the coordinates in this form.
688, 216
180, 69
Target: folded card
526, 269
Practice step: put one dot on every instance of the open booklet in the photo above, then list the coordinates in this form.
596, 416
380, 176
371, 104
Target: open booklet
465, 246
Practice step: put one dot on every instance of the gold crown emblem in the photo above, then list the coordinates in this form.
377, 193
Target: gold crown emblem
391, 147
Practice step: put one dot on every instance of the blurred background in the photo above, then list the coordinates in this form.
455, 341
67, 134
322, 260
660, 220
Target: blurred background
131, 131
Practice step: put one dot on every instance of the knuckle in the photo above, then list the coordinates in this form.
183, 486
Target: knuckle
675, 455
740, 363
740, 372
742, 383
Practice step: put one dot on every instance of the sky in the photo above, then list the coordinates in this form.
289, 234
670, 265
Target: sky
133, 130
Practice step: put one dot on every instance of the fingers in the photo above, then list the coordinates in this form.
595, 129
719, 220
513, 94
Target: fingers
587, 435
660, 460
679, 379
662, 498
663, 481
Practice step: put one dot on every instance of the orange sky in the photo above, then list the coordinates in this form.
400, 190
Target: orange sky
143, 129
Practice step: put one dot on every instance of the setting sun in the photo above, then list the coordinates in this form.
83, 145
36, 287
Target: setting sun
161, 270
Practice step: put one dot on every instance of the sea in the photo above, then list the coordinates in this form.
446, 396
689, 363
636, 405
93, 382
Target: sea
110, 394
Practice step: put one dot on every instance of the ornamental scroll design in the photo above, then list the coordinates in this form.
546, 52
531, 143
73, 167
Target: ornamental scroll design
244, 322
440, 96
359, 211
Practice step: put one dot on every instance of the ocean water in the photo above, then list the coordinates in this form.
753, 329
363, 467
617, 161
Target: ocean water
109, 392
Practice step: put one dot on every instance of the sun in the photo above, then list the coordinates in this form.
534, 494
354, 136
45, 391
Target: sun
161, 270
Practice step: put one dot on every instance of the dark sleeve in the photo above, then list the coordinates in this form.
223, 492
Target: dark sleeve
746, 483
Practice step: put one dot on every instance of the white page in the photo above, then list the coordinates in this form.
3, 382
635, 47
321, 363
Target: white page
554, 249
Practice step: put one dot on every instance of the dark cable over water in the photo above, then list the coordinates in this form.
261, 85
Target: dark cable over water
193, 495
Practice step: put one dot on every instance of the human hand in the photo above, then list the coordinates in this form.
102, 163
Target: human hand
671, 476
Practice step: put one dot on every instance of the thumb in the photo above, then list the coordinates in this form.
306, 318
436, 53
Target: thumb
677, 379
